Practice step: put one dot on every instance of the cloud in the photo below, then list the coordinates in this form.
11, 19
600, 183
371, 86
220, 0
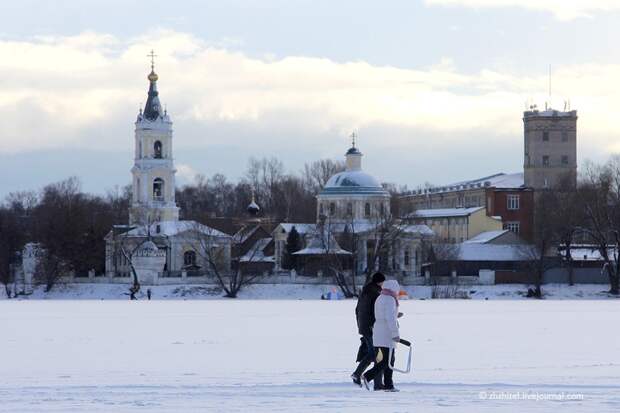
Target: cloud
84, 91
561, 9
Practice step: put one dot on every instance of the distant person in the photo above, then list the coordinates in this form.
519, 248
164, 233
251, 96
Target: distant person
365, 315
148, 294
385, 335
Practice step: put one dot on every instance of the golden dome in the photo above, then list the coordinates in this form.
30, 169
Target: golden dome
153, 76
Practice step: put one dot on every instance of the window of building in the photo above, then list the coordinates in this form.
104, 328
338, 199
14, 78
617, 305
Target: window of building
321, 211
406, 258
546, 136
189, 258
545, 160
157, 149
382, 209
367, 209
158, 189
564, 136
513, 226
332, 209
513, 202
564, 159
349, 209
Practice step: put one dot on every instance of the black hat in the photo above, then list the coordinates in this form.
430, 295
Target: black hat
378, 278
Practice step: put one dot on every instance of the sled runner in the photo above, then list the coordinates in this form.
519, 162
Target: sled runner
408, 368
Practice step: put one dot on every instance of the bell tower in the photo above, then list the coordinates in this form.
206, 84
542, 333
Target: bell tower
153, 171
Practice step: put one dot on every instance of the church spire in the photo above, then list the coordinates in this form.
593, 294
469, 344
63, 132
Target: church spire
353, 156
152, 109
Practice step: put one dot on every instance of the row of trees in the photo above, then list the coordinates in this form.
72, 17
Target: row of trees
69, 225
284, 196
589, 214
66, 223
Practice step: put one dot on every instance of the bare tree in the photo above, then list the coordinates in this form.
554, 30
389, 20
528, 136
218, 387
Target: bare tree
601, 194
545, 236
10, 244
568, 217
334, 260
440, 256
317, 173
216, 252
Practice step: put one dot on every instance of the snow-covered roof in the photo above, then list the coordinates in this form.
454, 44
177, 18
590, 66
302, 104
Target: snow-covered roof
361, 226
487, 236
171, 228
301, 228
318, 246
353, 182
444, 212
500, 181
244, 233
417, 229
586, 252
493, 252
257, 252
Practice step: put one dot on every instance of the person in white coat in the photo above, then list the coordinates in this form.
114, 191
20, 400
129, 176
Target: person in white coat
385, 334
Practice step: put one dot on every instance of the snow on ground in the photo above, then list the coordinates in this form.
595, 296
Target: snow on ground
296, 355
302, 292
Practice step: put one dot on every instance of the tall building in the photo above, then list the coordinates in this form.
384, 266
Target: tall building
165, 250
550, 148
153, 170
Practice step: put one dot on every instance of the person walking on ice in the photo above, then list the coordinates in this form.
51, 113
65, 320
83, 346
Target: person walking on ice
365, 315
385, 335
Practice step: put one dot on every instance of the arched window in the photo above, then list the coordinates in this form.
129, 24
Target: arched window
332, 209
158, 189
138, 189
189, 258
157, 149
367, 209
321, 211
349, 209
382, 209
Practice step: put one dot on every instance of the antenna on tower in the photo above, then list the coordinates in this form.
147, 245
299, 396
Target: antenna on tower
549, 82
353, 136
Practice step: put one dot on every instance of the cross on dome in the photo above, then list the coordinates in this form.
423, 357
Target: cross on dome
152, 55
152, 108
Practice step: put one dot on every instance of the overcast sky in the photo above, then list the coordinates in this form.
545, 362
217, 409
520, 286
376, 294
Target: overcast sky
435, 89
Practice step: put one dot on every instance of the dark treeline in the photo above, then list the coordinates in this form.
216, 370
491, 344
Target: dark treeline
70, 225
282, 196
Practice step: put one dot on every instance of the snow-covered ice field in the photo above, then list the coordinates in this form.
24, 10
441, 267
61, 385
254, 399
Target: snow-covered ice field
287, 355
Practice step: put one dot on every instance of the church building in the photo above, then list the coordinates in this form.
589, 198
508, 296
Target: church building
191, 249
354, 221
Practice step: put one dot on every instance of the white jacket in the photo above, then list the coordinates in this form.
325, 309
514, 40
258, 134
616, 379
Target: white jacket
386, 319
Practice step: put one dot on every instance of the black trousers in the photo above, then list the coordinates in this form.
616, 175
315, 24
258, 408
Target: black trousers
369, 357
382, 366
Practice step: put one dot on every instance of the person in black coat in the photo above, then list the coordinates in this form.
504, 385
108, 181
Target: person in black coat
365, 315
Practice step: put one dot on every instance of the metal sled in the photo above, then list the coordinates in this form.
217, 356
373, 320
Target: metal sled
408, 368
